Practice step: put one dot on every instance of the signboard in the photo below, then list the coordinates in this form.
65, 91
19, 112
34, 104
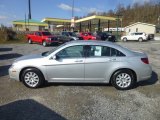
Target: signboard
114, 29
73, 22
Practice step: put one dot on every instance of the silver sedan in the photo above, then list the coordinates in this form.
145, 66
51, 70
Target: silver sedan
83, 62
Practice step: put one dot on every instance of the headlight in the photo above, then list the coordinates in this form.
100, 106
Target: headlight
48, 38
12, 66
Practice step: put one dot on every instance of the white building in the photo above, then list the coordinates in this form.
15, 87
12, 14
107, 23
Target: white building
141, 27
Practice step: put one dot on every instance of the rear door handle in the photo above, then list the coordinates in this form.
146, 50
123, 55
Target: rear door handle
79, 61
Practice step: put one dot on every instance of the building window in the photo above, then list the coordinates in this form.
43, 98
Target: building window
136, 29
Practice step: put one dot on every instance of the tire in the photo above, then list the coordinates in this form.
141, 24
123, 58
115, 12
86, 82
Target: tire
125, 39
32, 78
140, 39
30, 41
123, 80
44, 43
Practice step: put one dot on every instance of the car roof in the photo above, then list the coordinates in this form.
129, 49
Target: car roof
126, 51
138, 32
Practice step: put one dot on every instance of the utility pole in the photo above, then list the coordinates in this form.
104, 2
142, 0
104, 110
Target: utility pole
159, 20
72, 8
25, 22
73, 19
117, 24
29, 8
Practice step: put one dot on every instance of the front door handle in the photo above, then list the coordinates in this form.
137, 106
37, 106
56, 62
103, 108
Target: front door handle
112, 59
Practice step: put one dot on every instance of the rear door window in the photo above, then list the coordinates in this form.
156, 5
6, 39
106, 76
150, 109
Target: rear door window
101, 51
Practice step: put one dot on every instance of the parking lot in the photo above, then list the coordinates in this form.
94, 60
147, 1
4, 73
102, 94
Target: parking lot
78, 101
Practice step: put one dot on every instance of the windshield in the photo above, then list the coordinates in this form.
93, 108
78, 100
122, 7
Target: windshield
51, 51
72, 34
46, 33
90, 34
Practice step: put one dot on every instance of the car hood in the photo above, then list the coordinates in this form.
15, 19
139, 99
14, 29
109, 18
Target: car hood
29, 57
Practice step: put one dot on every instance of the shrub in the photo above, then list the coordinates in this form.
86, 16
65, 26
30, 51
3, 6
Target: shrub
7, 34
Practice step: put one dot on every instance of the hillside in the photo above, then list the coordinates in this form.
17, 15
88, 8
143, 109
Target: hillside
149, 12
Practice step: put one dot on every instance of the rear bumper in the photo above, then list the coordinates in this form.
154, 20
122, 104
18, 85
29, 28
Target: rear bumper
146, 74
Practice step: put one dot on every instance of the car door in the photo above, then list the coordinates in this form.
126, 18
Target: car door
34, 37
65, 37
97, 63
37, 37
85, 36
136, 36
100, 62
68, 65
131, 36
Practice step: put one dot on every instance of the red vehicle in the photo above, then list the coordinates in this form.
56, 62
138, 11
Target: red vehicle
44, 38
87, 36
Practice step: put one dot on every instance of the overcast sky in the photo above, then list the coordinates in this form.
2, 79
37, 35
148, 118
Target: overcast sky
16, 9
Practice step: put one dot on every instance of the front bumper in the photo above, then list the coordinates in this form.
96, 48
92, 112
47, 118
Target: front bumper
14, 73
52, 42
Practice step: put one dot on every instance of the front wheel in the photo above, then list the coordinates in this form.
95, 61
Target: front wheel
123, 79
44, 43
32, 78
125, 39
140, 39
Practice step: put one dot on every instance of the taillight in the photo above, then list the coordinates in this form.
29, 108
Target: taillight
145, 60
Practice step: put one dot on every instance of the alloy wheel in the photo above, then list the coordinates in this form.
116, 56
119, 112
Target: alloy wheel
31, 79
123, 80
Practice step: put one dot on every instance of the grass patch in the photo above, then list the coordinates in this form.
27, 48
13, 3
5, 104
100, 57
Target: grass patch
13, 42
8, 36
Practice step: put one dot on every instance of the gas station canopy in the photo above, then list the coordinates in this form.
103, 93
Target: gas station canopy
57, 21
95, 21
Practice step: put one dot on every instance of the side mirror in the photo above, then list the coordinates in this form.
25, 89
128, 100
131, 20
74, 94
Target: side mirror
56, 57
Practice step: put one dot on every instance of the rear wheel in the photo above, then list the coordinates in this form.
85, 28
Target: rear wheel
123, 79
30, 41
44, 43
32, 78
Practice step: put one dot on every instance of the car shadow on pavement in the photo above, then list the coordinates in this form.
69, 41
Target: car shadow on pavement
27, 110
9, 56
150, 81
4, 70
77, 84
5, 49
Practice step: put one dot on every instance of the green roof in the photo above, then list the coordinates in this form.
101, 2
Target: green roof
30, 22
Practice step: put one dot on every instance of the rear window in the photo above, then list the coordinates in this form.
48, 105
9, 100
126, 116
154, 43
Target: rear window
115, 52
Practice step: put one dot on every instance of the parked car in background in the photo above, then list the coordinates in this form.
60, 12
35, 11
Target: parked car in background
66, 36
105, 36
87, 36
150, 36
42, 37
83, 62
139, 36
